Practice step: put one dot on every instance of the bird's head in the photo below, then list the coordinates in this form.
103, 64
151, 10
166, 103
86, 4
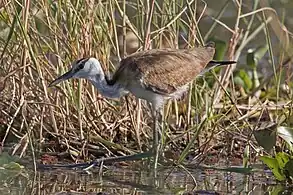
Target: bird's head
83, 68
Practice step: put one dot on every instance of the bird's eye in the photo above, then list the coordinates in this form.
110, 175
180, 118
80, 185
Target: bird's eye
80, 66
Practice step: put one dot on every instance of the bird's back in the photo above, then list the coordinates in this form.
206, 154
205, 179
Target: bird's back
163, 71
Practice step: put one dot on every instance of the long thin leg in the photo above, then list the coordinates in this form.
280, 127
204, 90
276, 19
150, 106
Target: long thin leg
155, 138
155, 124
156, 134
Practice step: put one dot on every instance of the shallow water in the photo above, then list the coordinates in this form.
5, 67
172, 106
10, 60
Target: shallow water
115, 180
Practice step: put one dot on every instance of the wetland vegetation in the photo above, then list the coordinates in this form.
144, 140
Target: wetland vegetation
232, 132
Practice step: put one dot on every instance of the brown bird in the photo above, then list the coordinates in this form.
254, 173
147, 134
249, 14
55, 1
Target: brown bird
154, 75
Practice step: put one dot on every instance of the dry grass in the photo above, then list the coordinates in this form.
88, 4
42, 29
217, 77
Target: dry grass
39, 40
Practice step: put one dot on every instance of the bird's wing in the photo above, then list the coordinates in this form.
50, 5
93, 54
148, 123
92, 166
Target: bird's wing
164, 70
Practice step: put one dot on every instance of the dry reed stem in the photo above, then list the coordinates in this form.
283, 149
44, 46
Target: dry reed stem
75, 118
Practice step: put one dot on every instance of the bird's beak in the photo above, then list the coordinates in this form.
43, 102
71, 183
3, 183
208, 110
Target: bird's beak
63, 77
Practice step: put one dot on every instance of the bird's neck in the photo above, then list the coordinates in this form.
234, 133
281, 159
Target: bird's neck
109, 91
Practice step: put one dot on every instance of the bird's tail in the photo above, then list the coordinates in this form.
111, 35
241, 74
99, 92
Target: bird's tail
213, 64
221, 63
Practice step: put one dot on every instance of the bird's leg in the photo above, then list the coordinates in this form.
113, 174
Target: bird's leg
155, 147
157, 122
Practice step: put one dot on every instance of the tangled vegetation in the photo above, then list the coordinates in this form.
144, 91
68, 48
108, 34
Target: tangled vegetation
226, 115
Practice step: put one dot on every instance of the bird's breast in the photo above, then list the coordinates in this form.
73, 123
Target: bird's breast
139, 91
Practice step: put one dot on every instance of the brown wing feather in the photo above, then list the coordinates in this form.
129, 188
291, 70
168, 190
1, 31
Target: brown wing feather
164, 70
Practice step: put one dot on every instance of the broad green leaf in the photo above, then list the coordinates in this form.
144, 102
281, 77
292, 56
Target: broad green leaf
5, 158
282, 159
272, 163
246, 79
9, 162
289, 167
286, 133
278, 189
265, 138
13, 166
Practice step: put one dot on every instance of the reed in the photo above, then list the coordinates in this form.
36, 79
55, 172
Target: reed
39, 40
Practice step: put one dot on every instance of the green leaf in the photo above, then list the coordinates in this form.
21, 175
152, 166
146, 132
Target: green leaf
289, 167
9, 162
250, 59
282, 159
286, 134
276, 190
265, 138
272, 163
13, 166
254, 55
246, 79
5, 158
